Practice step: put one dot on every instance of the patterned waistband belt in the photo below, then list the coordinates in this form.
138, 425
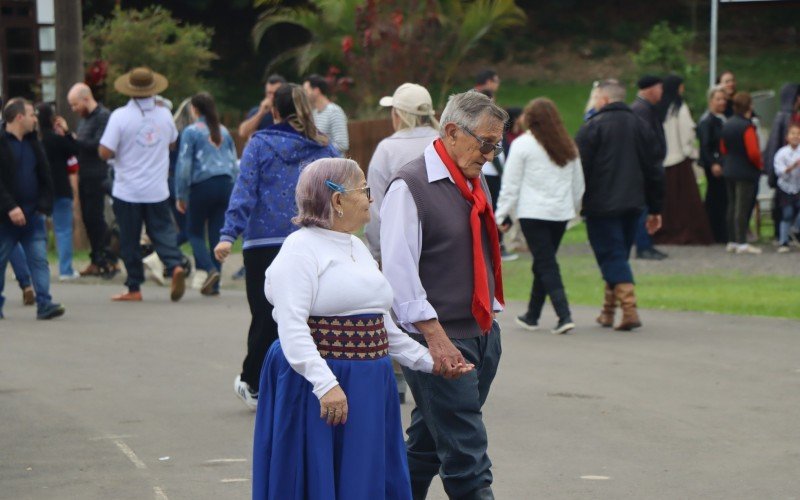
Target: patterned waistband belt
347, 338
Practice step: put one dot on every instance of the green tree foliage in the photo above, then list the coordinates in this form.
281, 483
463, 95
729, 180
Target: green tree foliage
382, 43
150, 37
664, 50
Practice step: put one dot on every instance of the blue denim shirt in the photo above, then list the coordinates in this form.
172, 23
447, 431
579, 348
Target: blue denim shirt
199, 159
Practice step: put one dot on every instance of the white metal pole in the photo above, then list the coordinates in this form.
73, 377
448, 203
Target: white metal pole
712, 57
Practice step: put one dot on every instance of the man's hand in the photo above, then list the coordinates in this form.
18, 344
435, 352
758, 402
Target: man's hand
17, 216
180, 205
716, 170
222, 250
653, 223
447, 359
265, 106
333, 406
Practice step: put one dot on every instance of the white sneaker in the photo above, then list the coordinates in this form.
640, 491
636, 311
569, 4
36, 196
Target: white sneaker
249, 397
748, 248
69, 277
199, 278
783, 248
156, 267
731, 247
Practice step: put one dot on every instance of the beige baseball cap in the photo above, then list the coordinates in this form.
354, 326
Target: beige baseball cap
411, 98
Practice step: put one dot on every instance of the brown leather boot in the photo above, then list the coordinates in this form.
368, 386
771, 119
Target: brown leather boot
91, 270
606, 318
624, 293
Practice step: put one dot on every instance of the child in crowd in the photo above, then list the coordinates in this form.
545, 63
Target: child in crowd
787, 171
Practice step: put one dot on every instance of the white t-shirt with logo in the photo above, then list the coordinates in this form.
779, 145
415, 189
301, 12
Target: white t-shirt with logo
140, 133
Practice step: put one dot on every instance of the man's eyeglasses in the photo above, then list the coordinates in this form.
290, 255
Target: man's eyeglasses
485, 147
341, 189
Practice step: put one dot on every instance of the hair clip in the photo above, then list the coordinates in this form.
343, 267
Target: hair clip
334, 186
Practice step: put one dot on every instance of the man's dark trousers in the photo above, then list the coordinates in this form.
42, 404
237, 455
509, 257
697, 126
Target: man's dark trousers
92, 194
447, 435
161, 229
611, 239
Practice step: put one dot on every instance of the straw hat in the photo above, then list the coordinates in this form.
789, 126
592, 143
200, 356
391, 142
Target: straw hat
141, 82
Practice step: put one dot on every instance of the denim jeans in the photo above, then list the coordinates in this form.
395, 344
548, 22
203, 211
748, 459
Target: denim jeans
33, 238
447, 435
160, 226
208, 201
643, 239
790, 218
611, 239
62, 227
19, 264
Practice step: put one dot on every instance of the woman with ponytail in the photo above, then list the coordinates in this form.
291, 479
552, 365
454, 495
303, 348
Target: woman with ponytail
261, 209
204, 176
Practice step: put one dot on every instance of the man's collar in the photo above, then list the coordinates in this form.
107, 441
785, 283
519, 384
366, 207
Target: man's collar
143, 103
434, 166
14, 136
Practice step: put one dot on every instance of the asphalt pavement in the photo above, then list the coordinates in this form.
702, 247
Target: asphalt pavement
135, 401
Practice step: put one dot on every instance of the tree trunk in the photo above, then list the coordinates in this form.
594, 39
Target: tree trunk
69, 54
69, 71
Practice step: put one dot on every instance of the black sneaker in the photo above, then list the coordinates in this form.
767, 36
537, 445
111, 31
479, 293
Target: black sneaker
563, 327
528, 322
50, 311
651, 254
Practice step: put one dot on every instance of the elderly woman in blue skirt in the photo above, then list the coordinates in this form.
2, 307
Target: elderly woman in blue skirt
328, 420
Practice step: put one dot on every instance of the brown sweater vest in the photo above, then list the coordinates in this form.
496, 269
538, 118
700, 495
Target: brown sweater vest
445, 264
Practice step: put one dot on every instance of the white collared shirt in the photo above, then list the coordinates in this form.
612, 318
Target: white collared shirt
785, 158
139, 134
401, 247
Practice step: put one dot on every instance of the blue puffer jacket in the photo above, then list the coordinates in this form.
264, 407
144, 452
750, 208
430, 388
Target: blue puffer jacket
262, 203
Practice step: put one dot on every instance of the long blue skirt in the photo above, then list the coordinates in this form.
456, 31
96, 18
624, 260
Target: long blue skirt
298, 456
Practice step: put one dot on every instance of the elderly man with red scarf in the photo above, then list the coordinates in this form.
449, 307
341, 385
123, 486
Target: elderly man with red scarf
441, 255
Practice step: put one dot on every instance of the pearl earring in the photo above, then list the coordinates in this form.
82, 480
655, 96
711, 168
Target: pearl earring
340, 213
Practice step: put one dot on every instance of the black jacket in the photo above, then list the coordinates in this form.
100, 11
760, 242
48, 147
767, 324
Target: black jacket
649, 113
621, 170
709, 133
736, 165
59, 149
8, 170
90, 131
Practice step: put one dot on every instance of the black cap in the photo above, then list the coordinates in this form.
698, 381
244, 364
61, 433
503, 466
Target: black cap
648, 81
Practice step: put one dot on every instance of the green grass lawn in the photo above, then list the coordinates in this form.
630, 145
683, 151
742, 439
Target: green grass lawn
569, 97
729, 293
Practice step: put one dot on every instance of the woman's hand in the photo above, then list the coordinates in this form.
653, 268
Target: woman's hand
333, 406
61, 126
222, 250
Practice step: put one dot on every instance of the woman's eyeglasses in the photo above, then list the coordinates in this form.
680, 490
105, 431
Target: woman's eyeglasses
485, 147
341, 189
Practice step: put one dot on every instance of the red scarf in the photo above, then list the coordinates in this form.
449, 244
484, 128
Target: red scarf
481, 302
